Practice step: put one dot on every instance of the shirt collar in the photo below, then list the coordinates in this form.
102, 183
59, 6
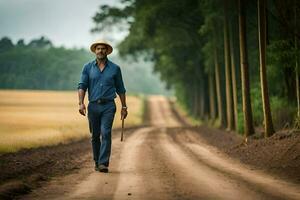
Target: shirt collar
107, 62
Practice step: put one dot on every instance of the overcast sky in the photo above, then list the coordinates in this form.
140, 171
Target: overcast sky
64, 22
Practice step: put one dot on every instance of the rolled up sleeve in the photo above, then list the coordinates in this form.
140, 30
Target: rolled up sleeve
120, 89
84, 79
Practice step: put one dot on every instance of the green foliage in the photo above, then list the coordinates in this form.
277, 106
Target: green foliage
5, 44
183, 38
240, 125
283, 112
39, 65
281, 52
167, 33
257, 109
281, 68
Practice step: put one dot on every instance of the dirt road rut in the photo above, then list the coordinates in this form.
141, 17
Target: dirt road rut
157, 163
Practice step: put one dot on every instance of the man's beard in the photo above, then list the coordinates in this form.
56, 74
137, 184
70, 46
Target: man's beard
101, 57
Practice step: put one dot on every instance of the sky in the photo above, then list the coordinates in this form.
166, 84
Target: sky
65, 22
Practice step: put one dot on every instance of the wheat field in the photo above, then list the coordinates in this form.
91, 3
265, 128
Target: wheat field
30, 119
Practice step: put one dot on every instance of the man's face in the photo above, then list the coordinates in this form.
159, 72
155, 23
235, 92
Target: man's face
101, 51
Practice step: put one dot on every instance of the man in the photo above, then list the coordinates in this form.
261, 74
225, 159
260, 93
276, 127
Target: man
103, 79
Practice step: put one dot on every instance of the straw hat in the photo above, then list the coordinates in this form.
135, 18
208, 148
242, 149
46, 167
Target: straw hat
94, 44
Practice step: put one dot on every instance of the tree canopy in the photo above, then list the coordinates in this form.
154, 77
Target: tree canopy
189, 40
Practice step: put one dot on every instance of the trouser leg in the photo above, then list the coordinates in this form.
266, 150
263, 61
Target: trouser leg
107, 119
95, 124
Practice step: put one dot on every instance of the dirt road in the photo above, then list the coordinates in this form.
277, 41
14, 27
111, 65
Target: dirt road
156, 162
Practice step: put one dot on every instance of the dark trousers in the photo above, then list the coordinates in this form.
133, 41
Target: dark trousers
101, 117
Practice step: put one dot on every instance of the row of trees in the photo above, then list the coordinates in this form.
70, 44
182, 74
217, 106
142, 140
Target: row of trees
39, 65
229, 61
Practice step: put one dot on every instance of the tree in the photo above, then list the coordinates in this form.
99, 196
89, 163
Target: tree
21, 43
5, 44
296, 64
218, 87
182, 39
26, 67
40, 43
246, 100
233, 76
229, 103
212, 96
268, 124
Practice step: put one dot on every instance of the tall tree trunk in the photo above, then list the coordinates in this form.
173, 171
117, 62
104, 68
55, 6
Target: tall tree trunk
195, 100
268, 124
247, 109
233, 77
229, 110
201, 96
212, 96
296, 62
204, 96
198, 102
206, 104
221, 113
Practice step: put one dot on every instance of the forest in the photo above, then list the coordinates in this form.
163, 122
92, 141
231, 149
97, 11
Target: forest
40, 65
232, 64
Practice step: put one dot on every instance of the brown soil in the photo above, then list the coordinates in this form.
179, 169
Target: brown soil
167, 160
279, 154
29, 168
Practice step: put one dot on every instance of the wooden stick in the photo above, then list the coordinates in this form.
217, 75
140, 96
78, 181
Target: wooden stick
122, 130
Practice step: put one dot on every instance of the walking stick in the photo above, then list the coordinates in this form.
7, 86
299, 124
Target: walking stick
122, 130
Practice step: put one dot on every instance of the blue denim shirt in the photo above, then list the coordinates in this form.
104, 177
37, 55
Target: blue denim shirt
101, 85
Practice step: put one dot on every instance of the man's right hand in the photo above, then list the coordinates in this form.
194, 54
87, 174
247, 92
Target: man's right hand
82, 109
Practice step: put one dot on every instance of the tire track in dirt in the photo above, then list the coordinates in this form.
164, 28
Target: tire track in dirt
254, 179
144, 175
130, 182
152, 177
203, 182
158, 163
161, 114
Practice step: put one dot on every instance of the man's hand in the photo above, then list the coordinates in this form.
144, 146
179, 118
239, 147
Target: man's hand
82, 109
124, 113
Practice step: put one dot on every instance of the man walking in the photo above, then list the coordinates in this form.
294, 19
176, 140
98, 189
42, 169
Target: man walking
103, 79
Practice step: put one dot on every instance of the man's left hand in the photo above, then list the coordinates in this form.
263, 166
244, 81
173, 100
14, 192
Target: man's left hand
124, 113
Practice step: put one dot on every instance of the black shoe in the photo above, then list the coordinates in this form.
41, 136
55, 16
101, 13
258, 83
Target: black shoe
96, 167
103, 168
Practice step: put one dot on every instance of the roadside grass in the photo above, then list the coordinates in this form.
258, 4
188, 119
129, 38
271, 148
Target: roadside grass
30, 119
182, 111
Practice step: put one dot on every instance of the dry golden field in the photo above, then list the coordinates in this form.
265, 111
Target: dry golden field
31, 119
